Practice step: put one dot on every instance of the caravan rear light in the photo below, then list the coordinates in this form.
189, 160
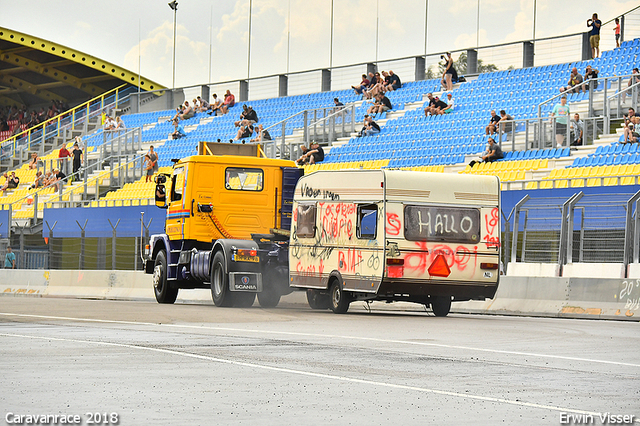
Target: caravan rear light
489, 266
395, 261
439, 267
395, 268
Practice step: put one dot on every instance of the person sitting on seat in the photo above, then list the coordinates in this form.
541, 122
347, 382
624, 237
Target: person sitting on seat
313, 154
493, 123
204, 105
12, 181
179, 130
261, 134
229, 102
362, 86
215, 105
33, 163
494, 152
574, 79
244, 132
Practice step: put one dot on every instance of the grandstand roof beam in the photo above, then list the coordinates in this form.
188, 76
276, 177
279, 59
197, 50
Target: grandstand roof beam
73, 55
50, 71
30, 88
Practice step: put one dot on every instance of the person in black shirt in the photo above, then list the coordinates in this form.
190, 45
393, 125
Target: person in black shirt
382, 104
76, 153
244, 132
493, 122
59, 179
494, 152
435, 107
314, 154
248, 116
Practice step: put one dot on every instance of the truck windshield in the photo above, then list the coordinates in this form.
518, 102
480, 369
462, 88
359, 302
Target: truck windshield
436, 223
241, 179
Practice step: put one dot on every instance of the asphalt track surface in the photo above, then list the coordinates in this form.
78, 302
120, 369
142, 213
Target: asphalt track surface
195, 364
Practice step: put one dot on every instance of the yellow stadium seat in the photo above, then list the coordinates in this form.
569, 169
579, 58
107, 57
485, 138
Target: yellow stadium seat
544, 163
546, 184
531, 185
593, 182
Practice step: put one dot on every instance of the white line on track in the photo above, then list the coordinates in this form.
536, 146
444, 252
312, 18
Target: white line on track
332, 336
316, 375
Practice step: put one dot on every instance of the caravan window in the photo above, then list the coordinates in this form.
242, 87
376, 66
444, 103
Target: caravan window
306, 222
241, 179
367, 221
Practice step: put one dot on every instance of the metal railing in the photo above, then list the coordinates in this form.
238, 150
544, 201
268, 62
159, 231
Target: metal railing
582, 228
76, 117
631, 91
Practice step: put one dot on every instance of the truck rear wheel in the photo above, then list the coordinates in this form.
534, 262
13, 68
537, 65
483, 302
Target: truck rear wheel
243, 299
338, 298
318, 300
164, 294
441, 305
220, 282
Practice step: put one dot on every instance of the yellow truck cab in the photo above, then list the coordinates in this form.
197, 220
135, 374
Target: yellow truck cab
223, 208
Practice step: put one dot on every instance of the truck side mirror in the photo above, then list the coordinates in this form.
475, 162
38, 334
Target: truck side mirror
161, 196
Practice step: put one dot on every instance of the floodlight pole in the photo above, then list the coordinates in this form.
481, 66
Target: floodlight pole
174, 6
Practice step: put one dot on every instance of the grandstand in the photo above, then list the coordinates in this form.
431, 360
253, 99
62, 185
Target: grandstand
533, 164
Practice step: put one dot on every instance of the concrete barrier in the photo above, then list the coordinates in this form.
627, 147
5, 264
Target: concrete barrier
536, 296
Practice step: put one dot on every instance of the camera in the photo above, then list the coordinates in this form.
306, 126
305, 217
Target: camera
160, 179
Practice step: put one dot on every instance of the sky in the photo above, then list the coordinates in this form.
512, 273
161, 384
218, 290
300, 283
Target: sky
286, 35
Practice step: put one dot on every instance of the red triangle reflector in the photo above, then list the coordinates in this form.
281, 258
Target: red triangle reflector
439, 267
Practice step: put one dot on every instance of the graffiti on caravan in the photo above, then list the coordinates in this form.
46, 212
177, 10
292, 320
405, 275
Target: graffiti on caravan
435, 223
309, 192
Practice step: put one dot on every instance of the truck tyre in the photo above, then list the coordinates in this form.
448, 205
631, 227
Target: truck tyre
164, 294
220, 282
317, 300
243, 299
338, 298
441, 305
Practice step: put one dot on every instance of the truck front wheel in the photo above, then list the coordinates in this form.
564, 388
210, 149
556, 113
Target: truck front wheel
220, 282
339, 298
164, 294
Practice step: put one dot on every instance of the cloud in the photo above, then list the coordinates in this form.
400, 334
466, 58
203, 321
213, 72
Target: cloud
156, 56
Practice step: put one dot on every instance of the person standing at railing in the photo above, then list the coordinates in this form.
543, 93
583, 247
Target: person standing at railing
76, 153
154, 157
561, 114
10, 259
617, 32
577, 130
63, 154
594, 38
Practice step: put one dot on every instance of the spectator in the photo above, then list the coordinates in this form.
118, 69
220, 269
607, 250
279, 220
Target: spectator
215, 105
494, 152
617, 32
120, 124
12, 182
188, 112
577, 130
245, 131
395, 81
178, 131
38, 181
33, 163
248, 116
370, 127
493, 122
148, 167
179, 112
362, 86
450, 105
339, 106
594, 34
10, 259
375, 87
630, 135
592, 74
561, 111
229, 102
63, 154
314, 154
635, 78
58, 179
382, 104
109, 124
574, 79
76, 153
386, 81
154, 157
449, 74
435, 105
261, 134
48, 179
630, 122
204, 105
505, 122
